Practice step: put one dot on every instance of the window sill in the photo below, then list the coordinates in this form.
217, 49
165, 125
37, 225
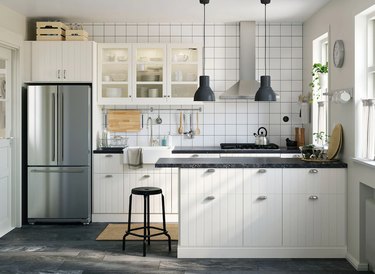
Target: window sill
364, 162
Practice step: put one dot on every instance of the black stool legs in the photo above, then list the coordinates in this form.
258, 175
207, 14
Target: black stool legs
146, 192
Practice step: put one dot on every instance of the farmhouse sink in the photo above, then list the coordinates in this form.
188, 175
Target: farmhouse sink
151, 154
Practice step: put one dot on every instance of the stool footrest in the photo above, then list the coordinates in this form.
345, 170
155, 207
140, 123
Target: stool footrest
146, 236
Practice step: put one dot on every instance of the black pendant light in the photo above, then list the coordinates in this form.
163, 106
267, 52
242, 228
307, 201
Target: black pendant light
265, 92
204, 92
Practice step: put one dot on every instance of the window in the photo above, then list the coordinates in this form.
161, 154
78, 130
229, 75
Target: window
320, 98
368, 99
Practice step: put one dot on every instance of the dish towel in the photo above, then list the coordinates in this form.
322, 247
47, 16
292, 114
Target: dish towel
135, 160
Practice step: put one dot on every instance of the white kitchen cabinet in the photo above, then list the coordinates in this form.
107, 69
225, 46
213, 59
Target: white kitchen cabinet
314, 207
67, 61
262, 207
211, 207
108, 184
148, 73
114, 73
148, 176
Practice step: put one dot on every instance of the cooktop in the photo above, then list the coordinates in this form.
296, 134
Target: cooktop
247, 146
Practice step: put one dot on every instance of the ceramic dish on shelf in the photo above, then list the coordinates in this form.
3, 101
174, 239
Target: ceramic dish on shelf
114, 92
150, 77
153, 92
118, 77
335, 142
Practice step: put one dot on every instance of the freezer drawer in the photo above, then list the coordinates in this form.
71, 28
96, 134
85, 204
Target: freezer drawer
59, 194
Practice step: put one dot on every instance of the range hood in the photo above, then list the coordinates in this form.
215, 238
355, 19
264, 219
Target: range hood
247, 86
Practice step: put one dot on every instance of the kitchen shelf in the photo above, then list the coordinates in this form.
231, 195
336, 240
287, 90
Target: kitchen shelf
115, 83
115, 63
184, 63
184, 83
149, 83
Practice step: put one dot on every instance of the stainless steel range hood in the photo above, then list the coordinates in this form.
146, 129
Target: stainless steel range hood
247, 86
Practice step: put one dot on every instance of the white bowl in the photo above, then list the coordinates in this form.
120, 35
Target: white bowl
153, 92
114, 92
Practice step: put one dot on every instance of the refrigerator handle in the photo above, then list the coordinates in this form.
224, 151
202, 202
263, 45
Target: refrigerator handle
62, 126
53, 126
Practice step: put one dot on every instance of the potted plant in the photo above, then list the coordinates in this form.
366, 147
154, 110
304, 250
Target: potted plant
319, 81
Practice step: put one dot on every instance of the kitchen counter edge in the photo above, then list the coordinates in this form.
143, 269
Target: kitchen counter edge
244, 162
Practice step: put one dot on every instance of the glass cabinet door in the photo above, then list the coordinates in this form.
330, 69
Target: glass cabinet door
5, 111
114, 73
150, 72
184, 70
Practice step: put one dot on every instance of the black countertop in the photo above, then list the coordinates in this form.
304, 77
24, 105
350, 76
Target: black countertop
245, 162
217, 149
109, 150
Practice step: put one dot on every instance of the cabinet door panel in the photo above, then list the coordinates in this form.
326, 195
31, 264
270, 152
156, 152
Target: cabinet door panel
108, 163
108, 193
262, 207
211, 206
77, 65
46, 61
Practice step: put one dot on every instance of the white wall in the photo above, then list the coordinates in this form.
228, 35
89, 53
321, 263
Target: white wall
337, 17
12, 21
225, 121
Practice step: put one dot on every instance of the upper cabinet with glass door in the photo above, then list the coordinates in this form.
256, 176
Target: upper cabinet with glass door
5, 105
150, 73
184, 70
114, 73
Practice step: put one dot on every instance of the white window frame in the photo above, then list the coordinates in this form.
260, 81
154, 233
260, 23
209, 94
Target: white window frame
320, 55
364, 80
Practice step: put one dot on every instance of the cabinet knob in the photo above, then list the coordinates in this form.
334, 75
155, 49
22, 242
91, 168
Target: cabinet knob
146, 176
261, 198
313, 197
195, 155
58, 74
210, 198
313, 171
64, 73
262, 171
211, 170
108, 176
109, 156
130, 96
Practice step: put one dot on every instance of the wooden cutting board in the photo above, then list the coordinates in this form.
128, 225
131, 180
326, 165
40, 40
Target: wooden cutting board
335, 142
124, 120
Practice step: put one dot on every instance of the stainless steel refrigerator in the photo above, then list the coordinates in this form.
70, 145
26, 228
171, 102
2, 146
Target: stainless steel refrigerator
59, 153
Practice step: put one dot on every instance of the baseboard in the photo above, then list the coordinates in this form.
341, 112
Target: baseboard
356, 264
271, 252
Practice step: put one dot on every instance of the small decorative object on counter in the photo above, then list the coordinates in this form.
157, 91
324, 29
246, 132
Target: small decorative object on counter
300, 136
170, 143
50, 31
164, 141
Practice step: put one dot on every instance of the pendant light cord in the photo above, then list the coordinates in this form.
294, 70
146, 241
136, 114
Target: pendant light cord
204, 39
265, 39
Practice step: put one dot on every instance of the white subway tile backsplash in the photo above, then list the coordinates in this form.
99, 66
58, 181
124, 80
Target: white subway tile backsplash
224, 121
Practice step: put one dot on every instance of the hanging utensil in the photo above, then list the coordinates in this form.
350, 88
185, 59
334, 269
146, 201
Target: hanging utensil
180, 129
197, 130
159, 120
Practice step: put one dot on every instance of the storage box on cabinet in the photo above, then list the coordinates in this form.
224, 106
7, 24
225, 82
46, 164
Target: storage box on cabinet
211, 207
262, 207
314, 207
67, 61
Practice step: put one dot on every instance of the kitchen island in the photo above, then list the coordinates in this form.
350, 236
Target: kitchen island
242, 207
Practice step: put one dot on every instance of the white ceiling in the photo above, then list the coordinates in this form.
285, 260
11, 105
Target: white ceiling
167, 11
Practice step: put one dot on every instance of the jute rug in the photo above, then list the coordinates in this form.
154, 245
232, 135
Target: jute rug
115, 232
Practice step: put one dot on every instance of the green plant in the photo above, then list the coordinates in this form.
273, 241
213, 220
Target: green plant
317, 69
321, 137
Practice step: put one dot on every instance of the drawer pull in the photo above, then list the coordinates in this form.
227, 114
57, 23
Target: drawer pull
195, 156
262, 170
313, 171
108, 176
146, 176
261, 198
211, 170
210, 198
109, 156
313, 197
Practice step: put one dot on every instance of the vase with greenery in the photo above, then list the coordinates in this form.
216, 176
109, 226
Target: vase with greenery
319, 74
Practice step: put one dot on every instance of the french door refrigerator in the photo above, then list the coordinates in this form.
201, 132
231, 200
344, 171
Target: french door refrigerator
59, 153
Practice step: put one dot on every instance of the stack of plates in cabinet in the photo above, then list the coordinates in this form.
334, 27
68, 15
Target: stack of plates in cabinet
335, 142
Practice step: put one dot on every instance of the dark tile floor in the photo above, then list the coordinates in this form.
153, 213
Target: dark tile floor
72, 249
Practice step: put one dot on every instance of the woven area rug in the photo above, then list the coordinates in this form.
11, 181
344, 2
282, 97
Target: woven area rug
115, 232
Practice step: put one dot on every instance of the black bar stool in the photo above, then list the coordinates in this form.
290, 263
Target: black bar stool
146, 192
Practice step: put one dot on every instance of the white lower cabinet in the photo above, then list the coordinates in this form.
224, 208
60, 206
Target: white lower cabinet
211, 207
262, 213
112, 185
262, 207
314, 207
